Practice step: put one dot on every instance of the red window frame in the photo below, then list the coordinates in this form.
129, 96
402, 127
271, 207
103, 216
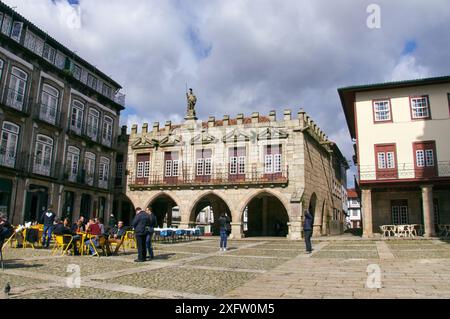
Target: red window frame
142, 158
375, 121
425, 171
202, 155
273, 150
238, 153
411, 110
386, 173
169, 158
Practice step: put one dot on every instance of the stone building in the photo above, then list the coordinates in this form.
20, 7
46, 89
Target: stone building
59, 118
265, 168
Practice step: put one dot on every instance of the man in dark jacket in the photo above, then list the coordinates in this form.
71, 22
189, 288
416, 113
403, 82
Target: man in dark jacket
6, 230
62, 228
307, 230
153, 224
141, 224
47, 218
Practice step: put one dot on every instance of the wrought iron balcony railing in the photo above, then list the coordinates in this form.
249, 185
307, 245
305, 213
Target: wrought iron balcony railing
16, 100
48, 114
186, 177
405, 171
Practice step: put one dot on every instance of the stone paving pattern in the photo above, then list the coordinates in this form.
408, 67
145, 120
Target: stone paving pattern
251, 268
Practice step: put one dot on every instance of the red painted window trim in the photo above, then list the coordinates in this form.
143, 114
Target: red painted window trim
429, 107
425, 172
388, 173
390, 111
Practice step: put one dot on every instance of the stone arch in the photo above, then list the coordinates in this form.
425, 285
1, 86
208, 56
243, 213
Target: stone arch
248, 198
162, 204
217, 202
265, 214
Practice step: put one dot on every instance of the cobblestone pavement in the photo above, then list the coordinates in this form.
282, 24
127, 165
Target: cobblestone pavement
251, 268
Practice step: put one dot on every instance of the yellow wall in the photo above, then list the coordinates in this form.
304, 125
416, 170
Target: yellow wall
403, 131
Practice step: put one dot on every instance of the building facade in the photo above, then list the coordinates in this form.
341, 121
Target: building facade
402, 152
261, 171
353, 209
59, 119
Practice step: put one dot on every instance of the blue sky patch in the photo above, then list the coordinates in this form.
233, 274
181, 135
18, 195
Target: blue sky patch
410, 47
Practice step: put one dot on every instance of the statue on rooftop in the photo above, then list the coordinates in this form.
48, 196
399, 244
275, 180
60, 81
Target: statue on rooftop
191, 101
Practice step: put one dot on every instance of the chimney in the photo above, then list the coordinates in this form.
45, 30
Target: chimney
155, 127
240, 119
144, 128
123, 130
211, 121
273, 116
134, 129
287, 115
226, 120
255, 117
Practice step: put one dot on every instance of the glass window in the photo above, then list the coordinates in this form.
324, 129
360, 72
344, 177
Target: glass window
16, 89
92, 81
43, 155
420, 158
429, 158
49, 53
6, 26
49, 104
89, 168
382, 110
16, 30
76, 120
72, 163
103, 173
420, 107
8, 144
106, 90
92, 124
107, 130
77, 72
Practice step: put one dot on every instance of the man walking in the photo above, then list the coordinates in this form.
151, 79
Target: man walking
141, 225
307, 230
48, 219
153, 224
224, 221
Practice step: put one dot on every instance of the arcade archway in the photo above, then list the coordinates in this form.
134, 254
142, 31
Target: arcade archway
166, 210
207, 210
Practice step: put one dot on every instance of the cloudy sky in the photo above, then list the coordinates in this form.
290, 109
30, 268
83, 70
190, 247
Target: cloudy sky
248, 55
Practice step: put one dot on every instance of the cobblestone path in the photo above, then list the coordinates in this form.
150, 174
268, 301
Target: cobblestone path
265, 268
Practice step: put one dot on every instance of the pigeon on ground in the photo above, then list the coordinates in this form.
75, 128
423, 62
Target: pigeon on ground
7, 289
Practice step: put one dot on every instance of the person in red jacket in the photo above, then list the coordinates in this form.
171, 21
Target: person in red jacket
93, 228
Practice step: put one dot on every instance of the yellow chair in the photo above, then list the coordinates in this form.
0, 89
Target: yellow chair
90, 237
130, 239
26, 242
117, 245
62, 243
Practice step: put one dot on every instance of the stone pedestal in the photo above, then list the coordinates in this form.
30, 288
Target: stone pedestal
366, 211
428, 216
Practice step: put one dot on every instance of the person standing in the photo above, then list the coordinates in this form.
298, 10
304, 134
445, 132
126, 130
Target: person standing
224, 222
307, 230
48, 219
6, 230
141, 224
151, 230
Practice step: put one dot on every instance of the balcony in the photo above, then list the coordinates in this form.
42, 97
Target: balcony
15, 100
87, 179
217, 178
405, 171
119, 98
44, 167
8, 160
48, 114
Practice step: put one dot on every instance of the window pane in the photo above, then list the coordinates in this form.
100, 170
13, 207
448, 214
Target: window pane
390, 160
420, 160
382, 111
381, 160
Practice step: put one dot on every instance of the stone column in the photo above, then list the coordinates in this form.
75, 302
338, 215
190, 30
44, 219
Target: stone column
428, 215
169, 215
236, 231
264, 215
367, 212
76, 206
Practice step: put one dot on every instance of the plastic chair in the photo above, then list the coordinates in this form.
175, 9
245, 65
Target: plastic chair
30, 233
62, 243
89, 237
118, 245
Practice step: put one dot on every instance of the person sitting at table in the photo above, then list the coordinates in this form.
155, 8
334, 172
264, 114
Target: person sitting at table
117, 234
99, 222
62, 228
78, 227
93, 229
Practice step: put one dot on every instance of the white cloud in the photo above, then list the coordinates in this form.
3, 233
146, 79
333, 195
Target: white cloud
260, 55
407, 68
